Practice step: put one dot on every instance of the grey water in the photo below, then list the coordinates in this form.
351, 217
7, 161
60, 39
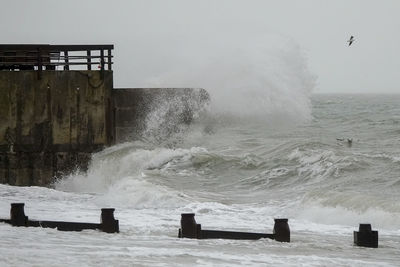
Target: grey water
235, 173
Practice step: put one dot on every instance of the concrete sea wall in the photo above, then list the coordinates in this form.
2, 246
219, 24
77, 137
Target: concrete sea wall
50, 125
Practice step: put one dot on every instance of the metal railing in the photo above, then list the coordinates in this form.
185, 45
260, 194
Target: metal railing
50, 57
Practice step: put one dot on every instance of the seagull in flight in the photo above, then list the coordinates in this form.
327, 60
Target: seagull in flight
351, 40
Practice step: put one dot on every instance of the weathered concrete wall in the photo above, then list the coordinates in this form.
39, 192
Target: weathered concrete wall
135, 107
52, 124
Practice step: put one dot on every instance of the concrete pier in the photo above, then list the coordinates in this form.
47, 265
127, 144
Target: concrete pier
56, 109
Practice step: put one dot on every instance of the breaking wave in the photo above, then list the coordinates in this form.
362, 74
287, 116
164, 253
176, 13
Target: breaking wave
258, 76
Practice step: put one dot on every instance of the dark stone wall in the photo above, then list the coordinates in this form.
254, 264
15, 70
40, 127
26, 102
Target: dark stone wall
51, 125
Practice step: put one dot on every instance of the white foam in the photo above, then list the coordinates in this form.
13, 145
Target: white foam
327, 206
110, 166
339, 215
118, 176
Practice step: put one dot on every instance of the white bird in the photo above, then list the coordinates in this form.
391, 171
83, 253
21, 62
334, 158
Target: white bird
351, 40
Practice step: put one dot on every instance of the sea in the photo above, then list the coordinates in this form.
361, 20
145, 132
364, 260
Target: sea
326, 162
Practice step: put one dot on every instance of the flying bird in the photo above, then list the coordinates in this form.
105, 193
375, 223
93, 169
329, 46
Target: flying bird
351, 40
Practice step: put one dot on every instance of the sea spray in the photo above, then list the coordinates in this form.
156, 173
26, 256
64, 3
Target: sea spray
170, 114
261, 76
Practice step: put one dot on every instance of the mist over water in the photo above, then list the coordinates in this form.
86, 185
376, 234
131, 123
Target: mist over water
250, 75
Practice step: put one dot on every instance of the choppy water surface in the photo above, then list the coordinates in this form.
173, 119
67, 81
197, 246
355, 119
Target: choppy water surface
234, 173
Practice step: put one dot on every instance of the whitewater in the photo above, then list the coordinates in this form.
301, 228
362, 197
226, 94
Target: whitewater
265, 147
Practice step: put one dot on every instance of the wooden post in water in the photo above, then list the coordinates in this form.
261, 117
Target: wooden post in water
188, 225
281, 230
108, 223
365, 237
17, 215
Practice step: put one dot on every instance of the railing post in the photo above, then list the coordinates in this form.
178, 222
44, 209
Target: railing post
66, 60
89, 60
39, 57
109, 59
102, 63
102, 59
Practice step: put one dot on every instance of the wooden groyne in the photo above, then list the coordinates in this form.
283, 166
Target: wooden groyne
107, 223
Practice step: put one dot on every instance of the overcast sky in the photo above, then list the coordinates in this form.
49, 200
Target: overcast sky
139, 28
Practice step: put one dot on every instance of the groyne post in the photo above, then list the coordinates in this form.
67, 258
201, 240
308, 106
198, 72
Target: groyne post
108, 223
365, 237
188, 226
17, 215
281, 230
